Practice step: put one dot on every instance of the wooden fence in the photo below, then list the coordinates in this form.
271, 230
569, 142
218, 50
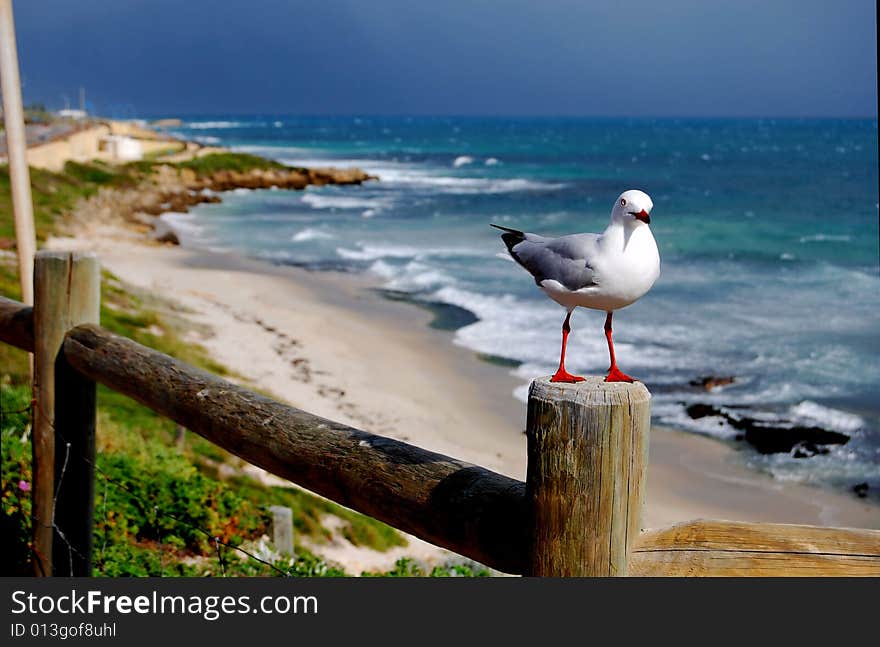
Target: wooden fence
578, 513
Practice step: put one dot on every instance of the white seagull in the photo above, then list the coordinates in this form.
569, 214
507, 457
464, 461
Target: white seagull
606, 271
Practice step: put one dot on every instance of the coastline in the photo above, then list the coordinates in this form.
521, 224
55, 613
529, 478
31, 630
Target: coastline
343, 347
328, 343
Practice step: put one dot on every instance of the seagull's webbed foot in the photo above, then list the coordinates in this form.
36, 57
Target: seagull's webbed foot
564, 376
616, 375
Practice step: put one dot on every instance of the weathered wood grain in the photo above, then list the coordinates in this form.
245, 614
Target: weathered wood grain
66, 293
587, 457
462, 507
730, 548
17, 324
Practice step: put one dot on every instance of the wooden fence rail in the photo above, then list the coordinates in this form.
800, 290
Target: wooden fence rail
578, 513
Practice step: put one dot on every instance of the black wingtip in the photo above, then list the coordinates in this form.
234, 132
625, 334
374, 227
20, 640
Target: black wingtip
507, 229
511, 238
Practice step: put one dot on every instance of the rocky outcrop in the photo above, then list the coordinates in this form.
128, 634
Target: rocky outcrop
170, 188
800, 441
710, 382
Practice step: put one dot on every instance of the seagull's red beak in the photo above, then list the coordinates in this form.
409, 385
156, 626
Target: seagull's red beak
643, 216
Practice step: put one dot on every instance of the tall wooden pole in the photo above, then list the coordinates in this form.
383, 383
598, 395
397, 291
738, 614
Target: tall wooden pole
585, 485
67, 290
16, 151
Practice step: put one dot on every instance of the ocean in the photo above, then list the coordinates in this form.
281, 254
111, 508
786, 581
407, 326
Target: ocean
767, 229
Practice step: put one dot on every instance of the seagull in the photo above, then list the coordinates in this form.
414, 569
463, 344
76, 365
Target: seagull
606, 271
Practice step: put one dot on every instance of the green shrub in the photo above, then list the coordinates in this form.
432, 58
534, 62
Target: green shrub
240, 162
16, 480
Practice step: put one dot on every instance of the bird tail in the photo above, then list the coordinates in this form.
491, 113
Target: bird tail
511, 237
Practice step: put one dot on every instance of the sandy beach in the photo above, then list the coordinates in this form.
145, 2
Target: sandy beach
329, 344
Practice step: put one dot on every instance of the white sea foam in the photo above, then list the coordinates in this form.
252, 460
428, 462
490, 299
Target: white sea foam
415, 276
207, 140
460, 185
185, 226
375, 252
383, 270
310, 233
327, 201
809, 412
371, 252
218, 125
822, 238
462, 160
491, 161
521, 392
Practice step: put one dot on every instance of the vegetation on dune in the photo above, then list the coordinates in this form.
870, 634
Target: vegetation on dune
55, 194
159, 503
240, 162
161, 499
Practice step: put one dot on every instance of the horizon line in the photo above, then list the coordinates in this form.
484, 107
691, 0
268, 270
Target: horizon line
379, 115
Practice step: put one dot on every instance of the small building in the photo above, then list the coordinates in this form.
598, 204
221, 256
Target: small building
122, 148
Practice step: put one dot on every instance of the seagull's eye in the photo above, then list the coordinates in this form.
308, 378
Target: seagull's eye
623, 202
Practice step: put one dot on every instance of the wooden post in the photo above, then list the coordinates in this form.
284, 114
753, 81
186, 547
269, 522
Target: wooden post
180, 437
16, 152
282, 529
67, 293
587, 457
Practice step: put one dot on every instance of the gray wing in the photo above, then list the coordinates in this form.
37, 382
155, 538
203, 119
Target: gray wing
565, 259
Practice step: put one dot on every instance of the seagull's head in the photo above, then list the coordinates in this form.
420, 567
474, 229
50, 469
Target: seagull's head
632, 207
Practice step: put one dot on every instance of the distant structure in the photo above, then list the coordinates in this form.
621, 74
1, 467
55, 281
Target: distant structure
75, 113
72, 113
122, 148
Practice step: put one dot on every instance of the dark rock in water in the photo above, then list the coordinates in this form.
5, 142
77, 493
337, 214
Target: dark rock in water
861, 490
709, 382
799, 440
169, 237
768, 439
163, 233
698, 410
806, 449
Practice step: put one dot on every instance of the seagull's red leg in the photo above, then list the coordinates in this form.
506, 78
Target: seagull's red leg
614, 373
561, 374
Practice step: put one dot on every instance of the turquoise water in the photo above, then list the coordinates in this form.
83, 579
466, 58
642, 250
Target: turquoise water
767, 229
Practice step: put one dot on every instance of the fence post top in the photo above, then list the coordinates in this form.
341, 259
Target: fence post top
64, 255
594, 390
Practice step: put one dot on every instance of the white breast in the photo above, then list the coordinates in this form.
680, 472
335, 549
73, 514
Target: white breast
627, 265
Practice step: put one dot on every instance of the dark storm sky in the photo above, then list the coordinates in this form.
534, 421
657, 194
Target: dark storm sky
537, 57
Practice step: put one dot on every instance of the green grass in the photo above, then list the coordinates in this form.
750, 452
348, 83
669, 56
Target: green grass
13, 362
241, 162
55, 194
